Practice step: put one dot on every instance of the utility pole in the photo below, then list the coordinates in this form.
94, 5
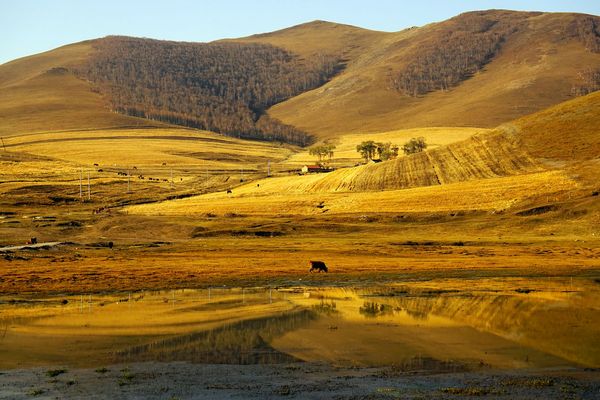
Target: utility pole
81, 184
89, 187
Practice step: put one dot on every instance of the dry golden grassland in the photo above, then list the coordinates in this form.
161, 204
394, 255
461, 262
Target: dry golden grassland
345, 153
301, 196
491, 209
177, 148
361, 100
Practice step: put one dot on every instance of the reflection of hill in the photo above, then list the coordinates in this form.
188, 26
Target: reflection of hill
557, 327
245, 342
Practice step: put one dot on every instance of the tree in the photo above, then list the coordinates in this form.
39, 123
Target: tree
387, 151
414, 145
367, 149
384, 151
322, 151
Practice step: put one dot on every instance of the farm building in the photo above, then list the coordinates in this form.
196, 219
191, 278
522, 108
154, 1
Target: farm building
311, 169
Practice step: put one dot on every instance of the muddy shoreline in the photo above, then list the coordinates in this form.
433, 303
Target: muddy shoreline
180, 380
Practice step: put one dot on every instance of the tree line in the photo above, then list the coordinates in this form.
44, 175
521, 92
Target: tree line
222, 87
589, 81
587, 29
452, 55
370, 149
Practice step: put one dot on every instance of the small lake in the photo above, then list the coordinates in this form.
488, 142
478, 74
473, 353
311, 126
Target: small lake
445, 325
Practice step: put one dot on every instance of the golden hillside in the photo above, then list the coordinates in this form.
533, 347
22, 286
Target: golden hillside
538, 64
517, 63
511, 166
567, 132
39, 94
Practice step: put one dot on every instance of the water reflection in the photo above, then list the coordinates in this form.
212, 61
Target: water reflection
371, 309
450, 325
244, 342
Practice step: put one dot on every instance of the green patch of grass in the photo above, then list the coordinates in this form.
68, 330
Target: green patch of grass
102, 370
55, 372
35, 392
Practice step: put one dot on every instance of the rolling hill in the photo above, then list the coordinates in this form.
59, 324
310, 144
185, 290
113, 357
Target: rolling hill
550, 154
313, 81
513, 64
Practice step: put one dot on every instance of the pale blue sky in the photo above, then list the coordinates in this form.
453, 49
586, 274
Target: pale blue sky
32, 26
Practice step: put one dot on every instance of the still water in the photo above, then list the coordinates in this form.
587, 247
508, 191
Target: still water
446, 325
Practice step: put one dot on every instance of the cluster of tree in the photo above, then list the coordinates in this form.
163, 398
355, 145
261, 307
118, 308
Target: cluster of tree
414, 145
589, 81
384, 151
222, 87
587, 29
322, 151
452, 56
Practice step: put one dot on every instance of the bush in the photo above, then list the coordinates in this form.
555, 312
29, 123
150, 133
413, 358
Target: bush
414, 145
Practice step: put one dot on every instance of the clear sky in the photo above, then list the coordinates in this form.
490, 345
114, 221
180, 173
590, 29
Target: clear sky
32, 26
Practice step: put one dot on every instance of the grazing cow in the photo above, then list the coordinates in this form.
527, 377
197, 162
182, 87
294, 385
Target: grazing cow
318, 266
229, 191
95, 164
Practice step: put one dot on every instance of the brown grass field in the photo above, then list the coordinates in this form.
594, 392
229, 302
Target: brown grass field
517, 199
520, 218
469, 269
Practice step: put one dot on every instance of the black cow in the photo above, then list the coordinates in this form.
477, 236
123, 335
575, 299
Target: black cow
318, 266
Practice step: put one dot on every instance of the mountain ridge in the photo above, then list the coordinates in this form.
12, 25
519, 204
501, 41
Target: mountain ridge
543, 60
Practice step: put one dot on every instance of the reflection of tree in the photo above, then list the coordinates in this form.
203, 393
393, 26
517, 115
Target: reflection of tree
325, 307
3, 328
418, 315
244, 342
372, 309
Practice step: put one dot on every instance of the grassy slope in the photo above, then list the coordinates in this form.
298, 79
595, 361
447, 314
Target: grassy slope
567, 131
535, 69
507, 165
177, 148
321, 37
36, 97
346, 154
